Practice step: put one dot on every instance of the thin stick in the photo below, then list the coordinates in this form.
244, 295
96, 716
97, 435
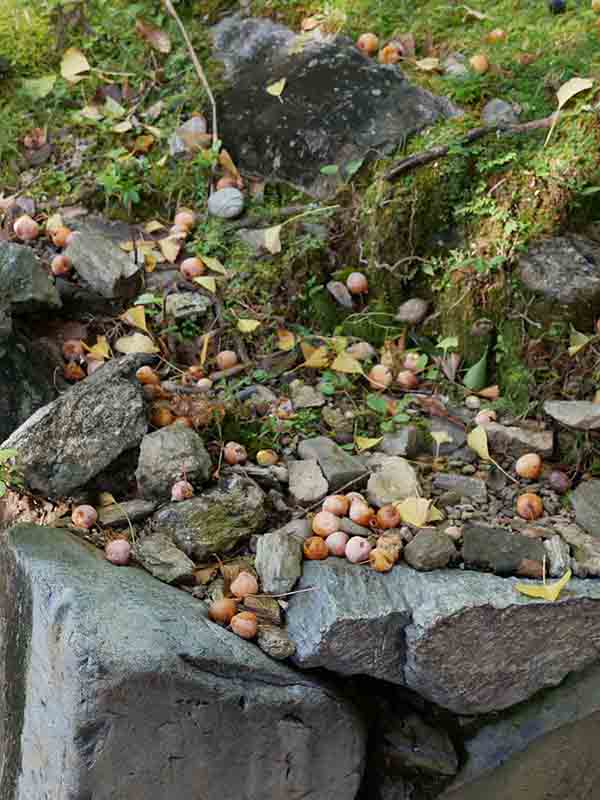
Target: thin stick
427, 156
199, 71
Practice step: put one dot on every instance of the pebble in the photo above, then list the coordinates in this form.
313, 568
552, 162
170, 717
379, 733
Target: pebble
468, 469
412, 311
430, 550
226, 203
472, 402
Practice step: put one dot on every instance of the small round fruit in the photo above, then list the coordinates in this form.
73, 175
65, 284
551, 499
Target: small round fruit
161, 416
388, 517
59, 236
226, 359
530, 506
407, 380
368, 43
354, 497
357, 283
178, 232
559, 481
391, 53
529, 466
336, 543
361, 513
411, 362
245, 624
325, 523
498, 35
118, 552
479, 64
60, 265
84, 516
266, 458
26, 229
234, 453
222, 611
185, 219
192, 268
337, 504
358, 549
146, 375
380, 377
204, 384
381, 560
72, 349
315, 548
244, 585
73, 371
181, 490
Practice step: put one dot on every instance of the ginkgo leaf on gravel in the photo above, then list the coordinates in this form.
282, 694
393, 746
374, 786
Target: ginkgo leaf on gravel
136, 343
74, 65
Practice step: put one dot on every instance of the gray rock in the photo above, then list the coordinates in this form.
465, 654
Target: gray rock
430, 550
586, 504
353, 529
189, 136
409, 743
258, 397
214, 522
307, 484
499, 112
404, 443
563, 270
163, 559
278, 561
499, 551
121, 514
394, 479
585, 548
186, 305
473, 488
266, 477
579, 414
107, 269
515, 442
300, 528
340, 294
455, 66
226, 203
168, 455
412, 311
254, 238
305, 396
467, 641
538, 750
456, 434
559, 556
338, 466
66, 443
337, 105
275, 642
103, 666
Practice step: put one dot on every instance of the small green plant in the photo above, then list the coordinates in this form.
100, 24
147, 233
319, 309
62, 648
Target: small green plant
332, 382
388, 423
120, 182
10, 472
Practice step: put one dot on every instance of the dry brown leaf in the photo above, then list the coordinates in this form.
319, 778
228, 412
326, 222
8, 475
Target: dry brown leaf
315, 357
155, 37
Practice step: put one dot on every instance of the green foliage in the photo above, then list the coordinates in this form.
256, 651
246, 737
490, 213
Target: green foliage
26, 38
10, 472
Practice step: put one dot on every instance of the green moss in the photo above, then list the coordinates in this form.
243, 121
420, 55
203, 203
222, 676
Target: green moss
26, 35
516, 381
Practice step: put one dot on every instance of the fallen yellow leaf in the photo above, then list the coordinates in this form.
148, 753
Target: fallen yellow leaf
153, 226
135, 316
207, 282
100, 351
315, 357
170, 248
547, 591
248, 325
285, 339
364, 443
276, 89
73, 65
346, 363
136, 343
414, 511
214, 264
478, 441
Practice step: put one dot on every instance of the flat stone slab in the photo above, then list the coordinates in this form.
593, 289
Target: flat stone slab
113, 685
499, 551
339, 467
103, 266
563, 269
579, 414
586, 504
511, 440
337, 105
467, 641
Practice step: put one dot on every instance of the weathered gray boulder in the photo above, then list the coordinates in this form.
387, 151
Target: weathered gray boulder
543, 750
500, 551
121, 514
215, 521
168, 455
279, 561
473, 488
307, 484
404, 443
337, 106
499, 112
103, 266
509, 440
163, 559
430, 550
113, 685
586, 504
585, 549
66, 443
467, 641
579, 414
305, 396
393, 479
339, 467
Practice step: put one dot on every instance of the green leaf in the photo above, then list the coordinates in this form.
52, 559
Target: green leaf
476, 377
447, 343
6, 454
330, 169
377, 403
352, 167
38, 88
3, 488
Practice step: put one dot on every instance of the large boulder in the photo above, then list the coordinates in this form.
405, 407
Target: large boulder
336, 108
69, 441
113, 685
467, 641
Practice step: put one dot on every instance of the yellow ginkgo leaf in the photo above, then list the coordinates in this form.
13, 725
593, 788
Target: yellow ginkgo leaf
577, 341
435, 515
135, 316
106, 499
214, 264
414, 511
285, 339
546, 591
150, 262
73, 65
204, 353
53, 222
153, 226
136, 343
365, 443
315, 357
478, 441
122, 127
272, 240
226, 162
440, 437
428, 64
100, 351
248, 325
345, 363
207, 282
170, 248
276, 89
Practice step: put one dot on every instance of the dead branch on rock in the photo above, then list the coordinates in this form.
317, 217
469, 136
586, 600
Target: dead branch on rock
427, 156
